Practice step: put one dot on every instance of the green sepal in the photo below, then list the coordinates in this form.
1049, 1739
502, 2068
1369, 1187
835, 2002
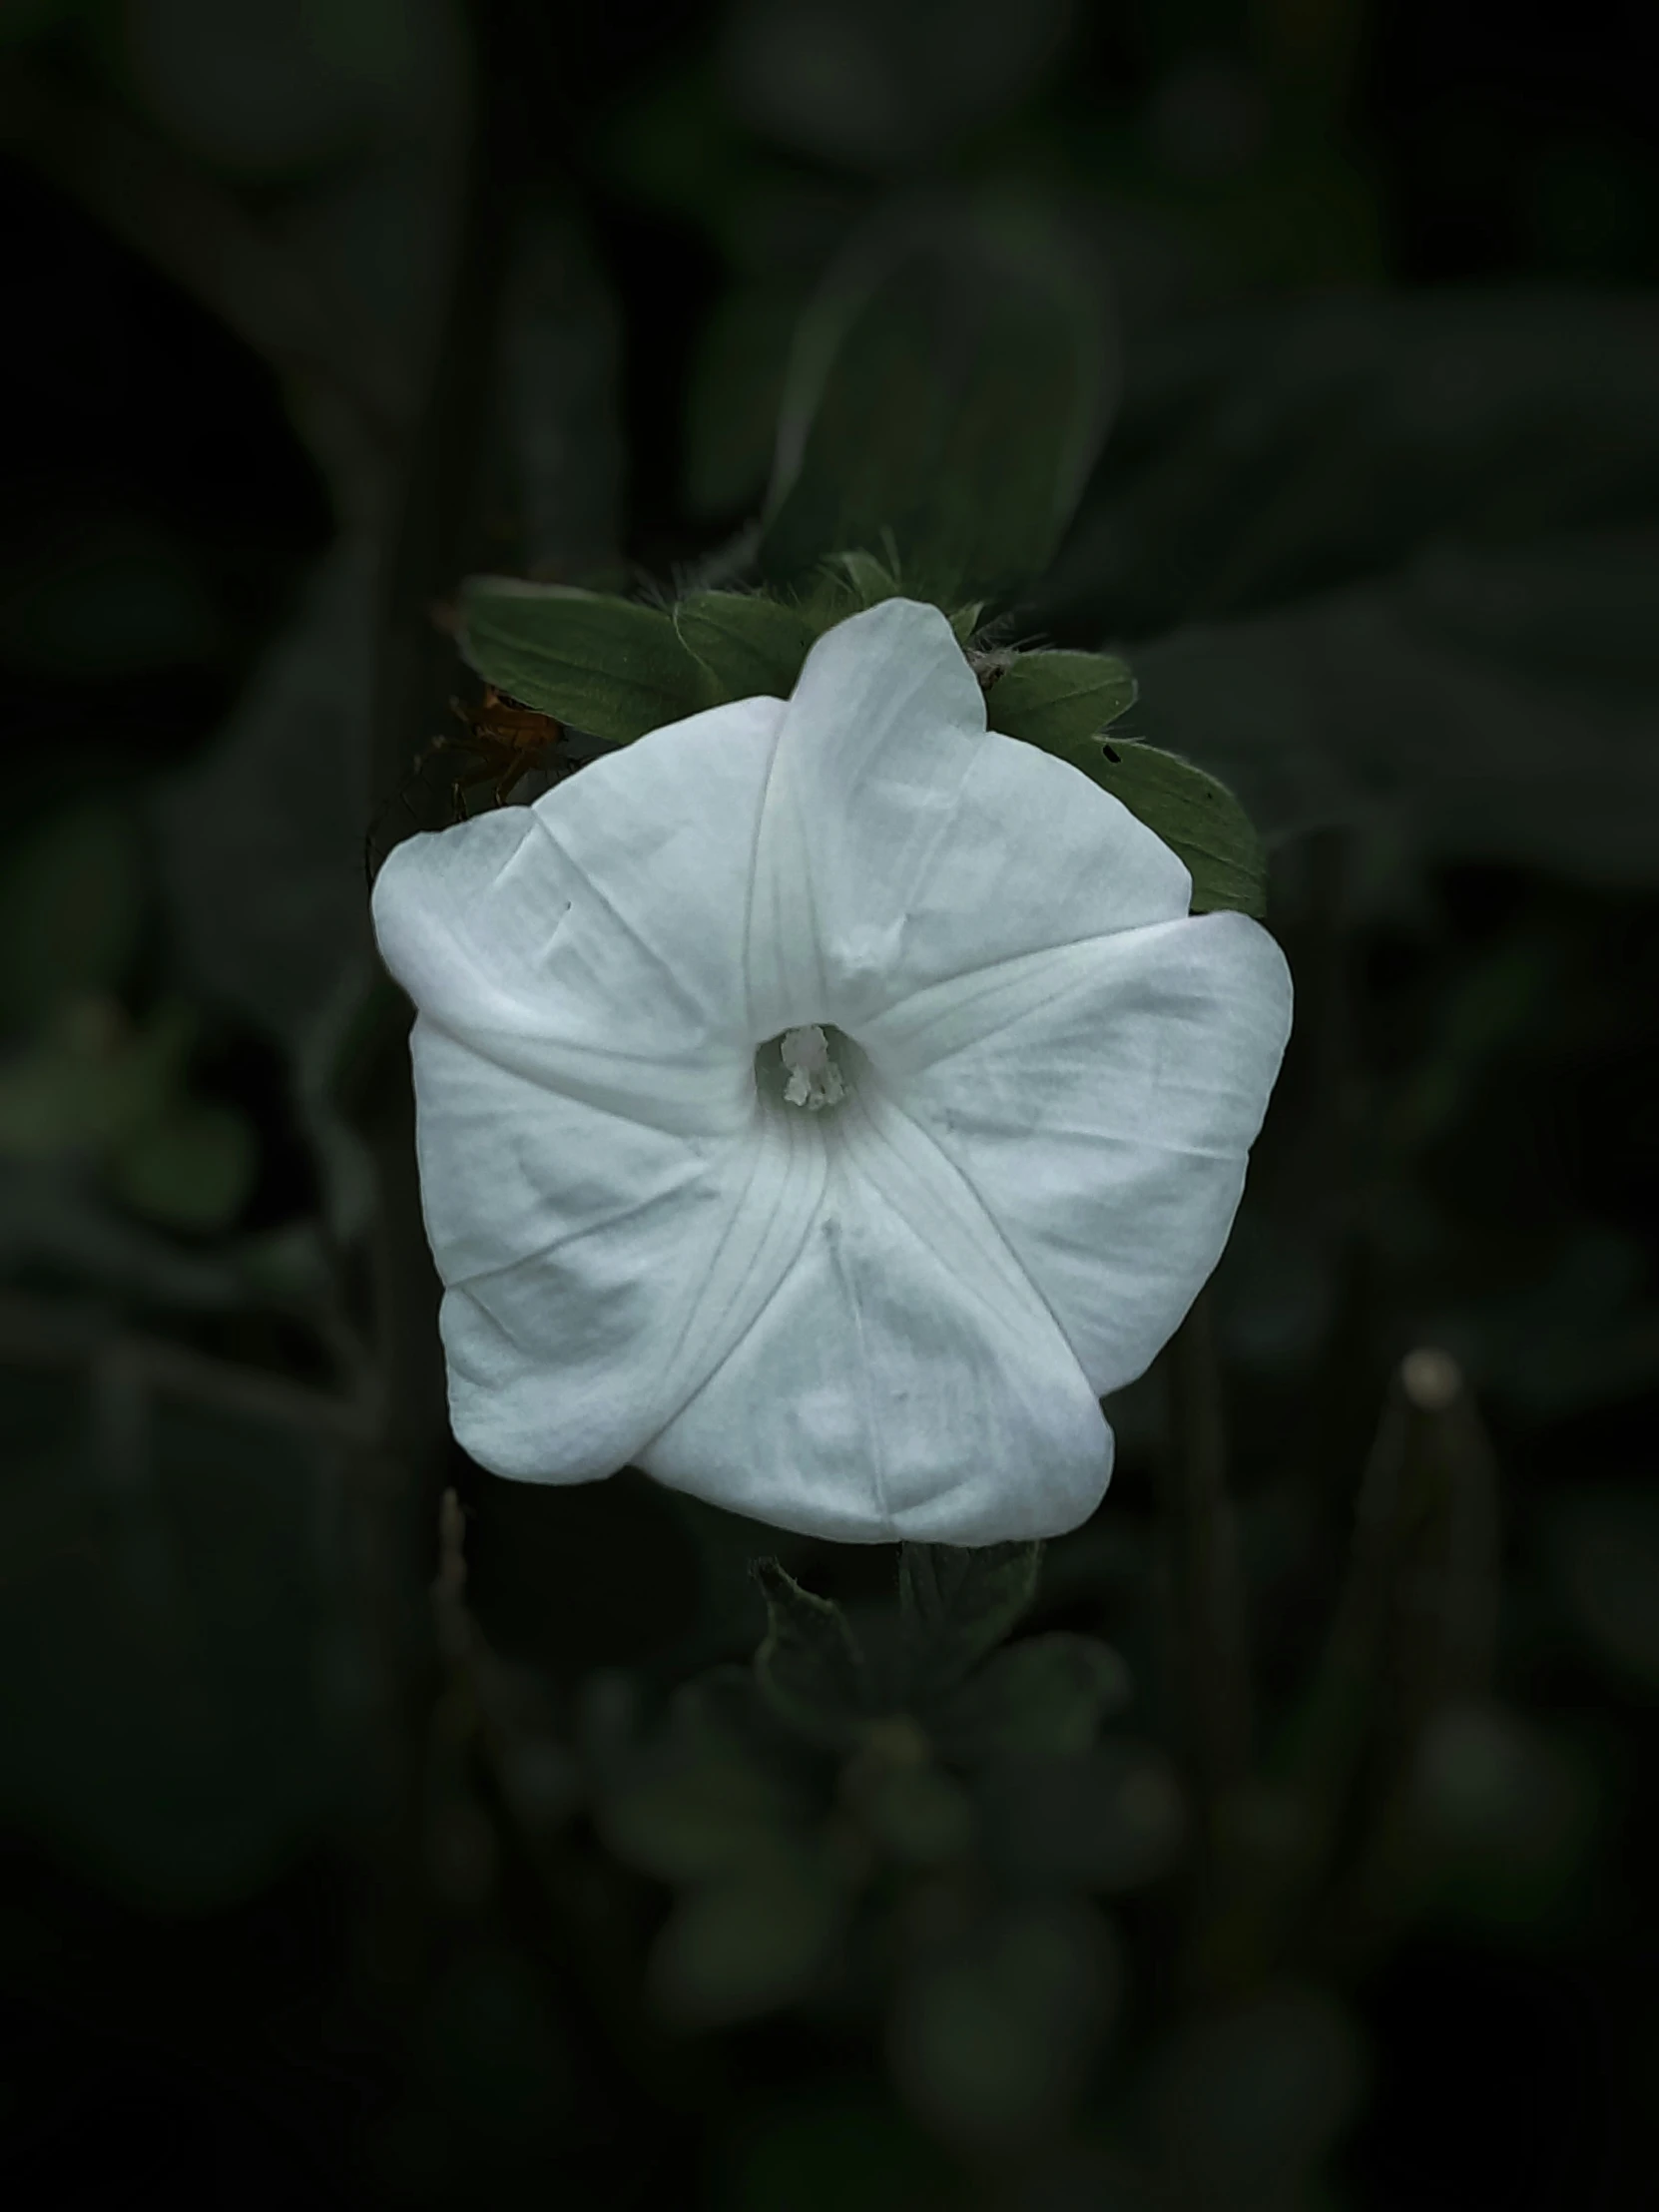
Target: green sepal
957, 1602
1047, 1694
810, 1668
606, 666
870, 580
843, 585
1055, 700
750, 644
1194, 812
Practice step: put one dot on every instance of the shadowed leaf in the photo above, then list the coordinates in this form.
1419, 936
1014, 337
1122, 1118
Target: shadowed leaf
750, 645
262, 840
1484, 704
192, 1168
991, 2036
957, 1602
949, 384
698, 1818
1057, 700
810, 1668
1606, 1551
1195, 813
1047, 1694
920, 1815
71, 907
1279, 453
603, 664
739, 1949
1247, 2103
191, 1712
1109, 1819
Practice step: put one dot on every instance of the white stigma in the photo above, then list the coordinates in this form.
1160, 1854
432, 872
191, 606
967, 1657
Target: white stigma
815, 1080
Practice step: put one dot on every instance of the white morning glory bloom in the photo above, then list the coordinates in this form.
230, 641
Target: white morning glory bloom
822, 1104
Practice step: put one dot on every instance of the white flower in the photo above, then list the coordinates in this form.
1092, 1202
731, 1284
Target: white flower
821, 1105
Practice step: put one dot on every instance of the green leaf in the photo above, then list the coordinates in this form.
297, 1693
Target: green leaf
810, 1668
1057, 700
1195, 815
1048, 1694
958, 1602
950, 384
750, 645
604, 666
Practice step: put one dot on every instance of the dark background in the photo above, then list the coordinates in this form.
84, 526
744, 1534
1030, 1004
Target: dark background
1374, 526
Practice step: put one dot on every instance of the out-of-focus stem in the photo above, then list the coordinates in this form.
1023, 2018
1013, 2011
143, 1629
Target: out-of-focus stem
1211, 1656
407, 1471
491, 1727
1415, 1636
1319, 1858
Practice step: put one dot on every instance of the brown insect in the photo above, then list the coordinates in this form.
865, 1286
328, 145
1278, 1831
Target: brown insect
500, 741
506, 740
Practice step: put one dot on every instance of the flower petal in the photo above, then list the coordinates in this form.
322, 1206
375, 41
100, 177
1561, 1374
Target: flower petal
903, 843
607, 1205
595, 940
1101, 1100
904, 1380
595, 1267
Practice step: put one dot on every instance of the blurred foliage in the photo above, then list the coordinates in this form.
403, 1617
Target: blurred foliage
167, 1604
950, 382
1265, 392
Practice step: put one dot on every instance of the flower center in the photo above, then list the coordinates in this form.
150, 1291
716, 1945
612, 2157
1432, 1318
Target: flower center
811, 1075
